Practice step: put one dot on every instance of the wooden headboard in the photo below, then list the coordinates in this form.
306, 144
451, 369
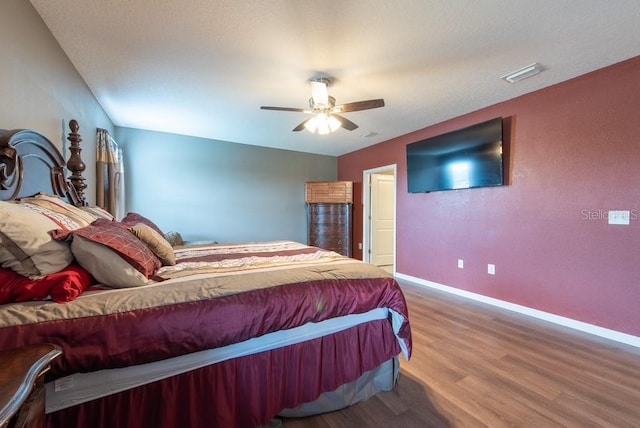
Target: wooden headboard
30, 163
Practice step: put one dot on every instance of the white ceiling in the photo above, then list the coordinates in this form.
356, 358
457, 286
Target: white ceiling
204, 67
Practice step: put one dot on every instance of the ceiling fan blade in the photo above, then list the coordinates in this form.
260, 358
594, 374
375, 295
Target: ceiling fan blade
345, 123
301, 126
301, 110
360, 105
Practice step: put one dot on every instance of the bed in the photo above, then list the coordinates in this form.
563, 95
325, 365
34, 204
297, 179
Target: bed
201, 335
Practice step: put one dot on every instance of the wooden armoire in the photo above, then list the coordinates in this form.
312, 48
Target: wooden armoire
330, 215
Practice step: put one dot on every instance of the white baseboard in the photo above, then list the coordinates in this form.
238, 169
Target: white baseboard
535, 313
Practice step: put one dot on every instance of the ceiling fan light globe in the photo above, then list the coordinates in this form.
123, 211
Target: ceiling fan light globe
334, 123
312, 124
323, 125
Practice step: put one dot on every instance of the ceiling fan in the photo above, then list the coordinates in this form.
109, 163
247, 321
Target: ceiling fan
324, 111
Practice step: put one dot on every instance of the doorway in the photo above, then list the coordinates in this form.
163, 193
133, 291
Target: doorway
379, 217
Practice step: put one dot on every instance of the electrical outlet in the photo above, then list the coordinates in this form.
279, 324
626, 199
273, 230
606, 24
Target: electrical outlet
359, 245
460, 263
491, 269
618, 217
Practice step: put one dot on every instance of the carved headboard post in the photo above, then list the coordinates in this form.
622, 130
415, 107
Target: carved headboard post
75, 164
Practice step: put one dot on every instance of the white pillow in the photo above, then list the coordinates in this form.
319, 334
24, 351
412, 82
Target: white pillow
26, 246
107, 267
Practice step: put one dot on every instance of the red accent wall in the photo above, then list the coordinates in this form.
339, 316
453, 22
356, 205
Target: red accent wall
574, 154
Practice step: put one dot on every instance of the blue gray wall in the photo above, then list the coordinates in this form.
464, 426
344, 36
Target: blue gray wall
217, 190
41, 90
202, 188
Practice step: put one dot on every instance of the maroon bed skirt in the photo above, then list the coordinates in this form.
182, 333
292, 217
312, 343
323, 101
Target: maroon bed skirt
242, 392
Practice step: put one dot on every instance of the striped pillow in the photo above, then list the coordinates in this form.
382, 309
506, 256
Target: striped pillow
66, 216
98, 212
26, 245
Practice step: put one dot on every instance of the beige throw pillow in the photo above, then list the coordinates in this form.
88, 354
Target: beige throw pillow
156, 243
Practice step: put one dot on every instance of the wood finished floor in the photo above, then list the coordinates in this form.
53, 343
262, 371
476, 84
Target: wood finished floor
478, 366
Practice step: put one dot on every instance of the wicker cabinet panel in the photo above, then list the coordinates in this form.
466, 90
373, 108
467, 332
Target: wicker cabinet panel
329, 191
329, 226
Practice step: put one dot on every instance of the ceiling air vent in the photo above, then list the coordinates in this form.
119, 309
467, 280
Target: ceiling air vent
523, 73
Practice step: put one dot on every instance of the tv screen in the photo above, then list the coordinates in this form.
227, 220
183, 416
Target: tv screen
462, 159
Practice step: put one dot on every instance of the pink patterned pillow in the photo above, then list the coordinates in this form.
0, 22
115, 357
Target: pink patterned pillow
121, 241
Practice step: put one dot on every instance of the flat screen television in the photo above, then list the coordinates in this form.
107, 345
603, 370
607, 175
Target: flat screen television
461, 159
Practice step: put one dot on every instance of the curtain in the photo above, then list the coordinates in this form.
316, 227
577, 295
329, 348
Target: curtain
110, 175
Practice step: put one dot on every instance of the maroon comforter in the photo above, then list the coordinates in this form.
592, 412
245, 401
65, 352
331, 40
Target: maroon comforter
214, 296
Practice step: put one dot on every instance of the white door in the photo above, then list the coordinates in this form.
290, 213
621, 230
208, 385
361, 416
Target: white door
382, 219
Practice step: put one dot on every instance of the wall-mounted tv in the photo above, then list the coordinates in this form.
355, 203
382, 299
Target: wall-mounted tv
461, 159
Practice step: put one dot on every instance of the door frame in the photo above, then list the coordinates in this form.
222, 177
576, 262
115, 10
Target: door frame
366, 211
